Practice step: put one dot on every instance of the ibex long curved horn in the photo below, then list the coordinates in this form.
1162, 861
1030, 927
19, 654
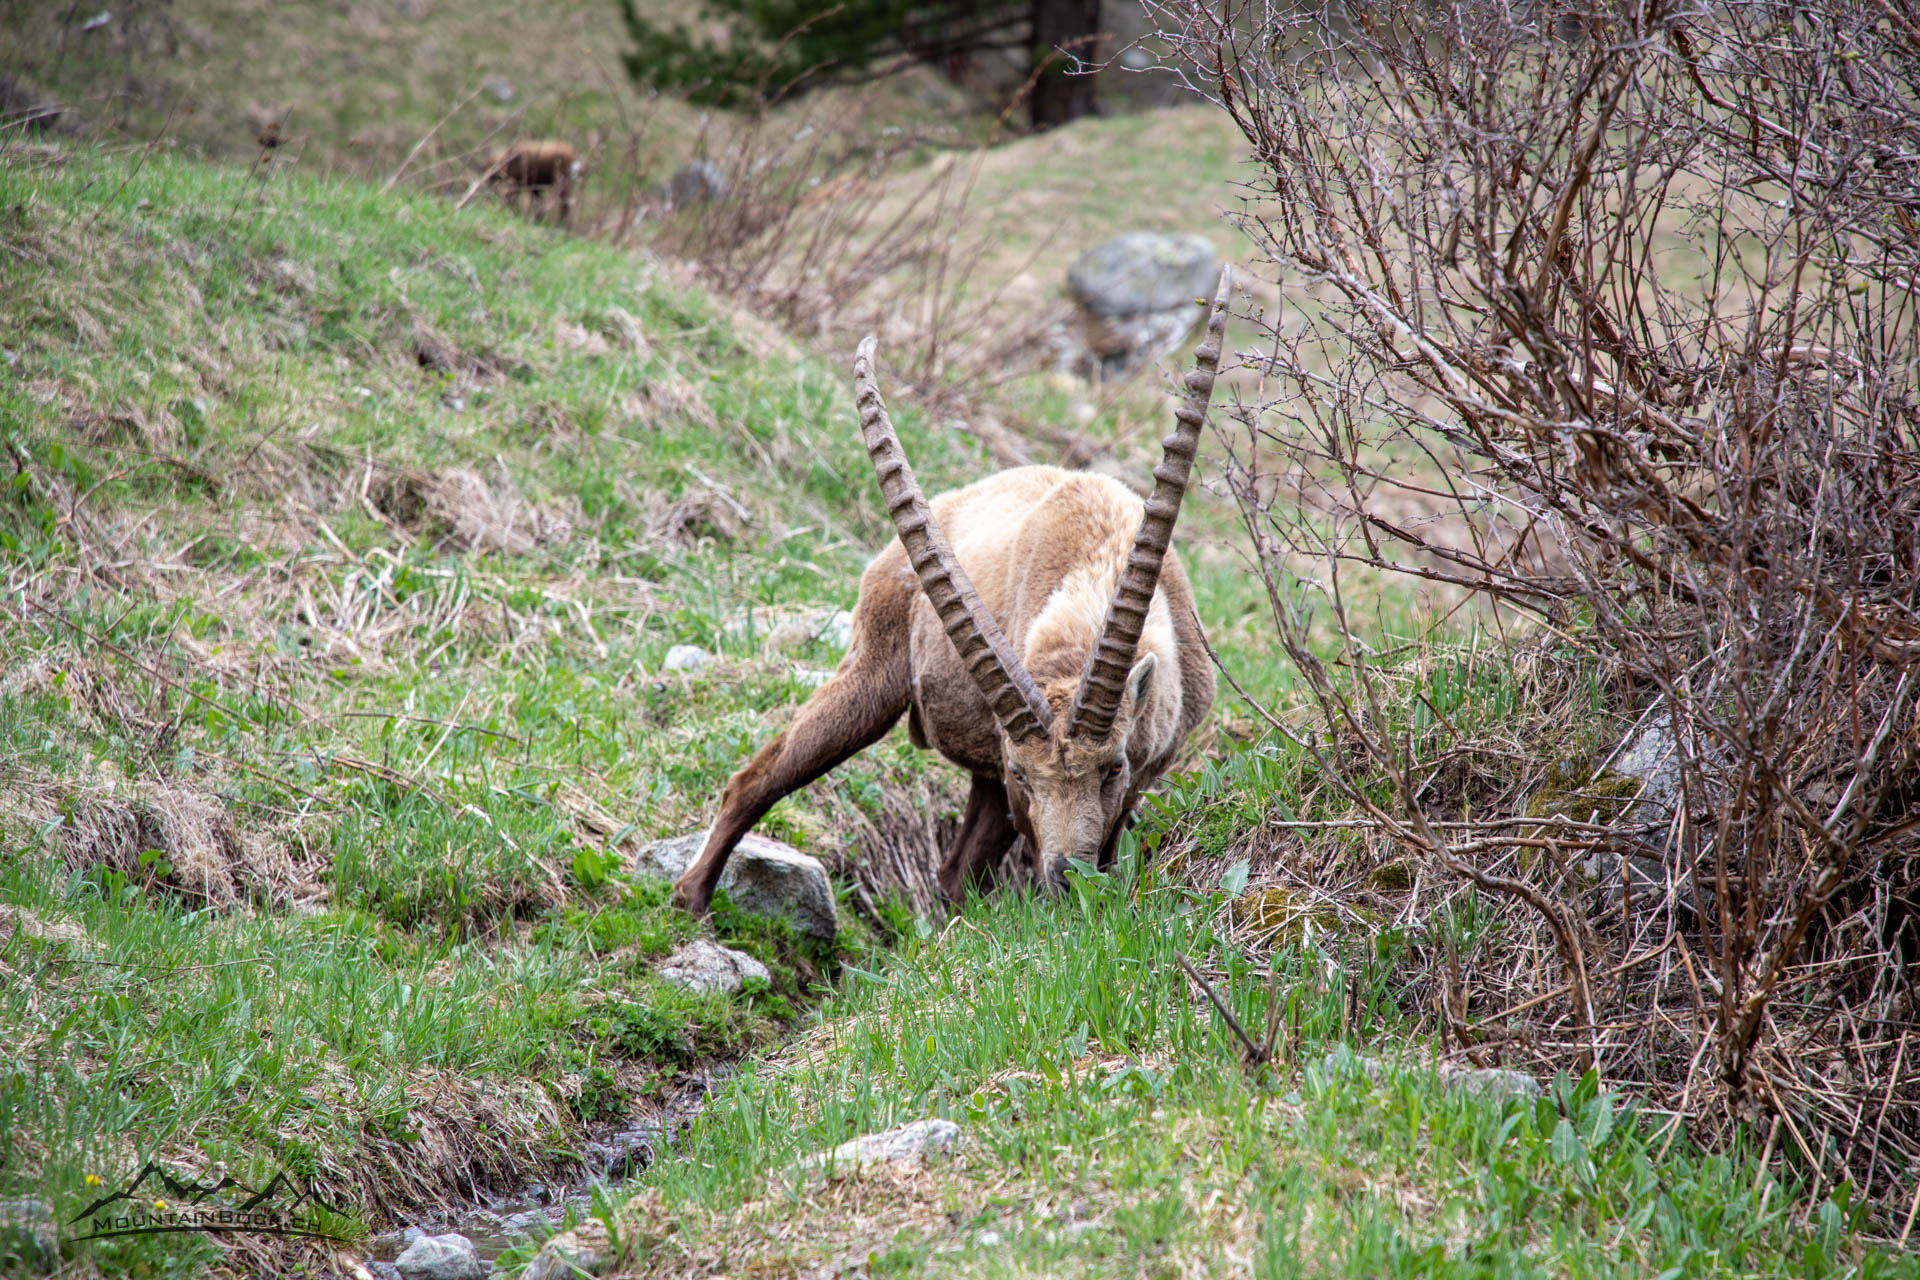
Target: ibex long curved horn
996, 672
1097, 701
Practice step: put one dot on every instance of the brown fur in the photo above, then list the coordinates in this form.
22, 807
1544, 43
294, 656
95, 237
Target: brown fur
532, 170
1044, 548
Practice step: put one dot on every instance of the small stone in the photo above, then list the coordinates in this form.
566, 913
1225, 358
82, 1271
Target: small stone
617, 1157
27, 1234
499, 88
704, 965
763, 877
788, 635
585, 1250
904, 1144
987, 1239
1492, 1083
448, 1257
1495, 1084
687, 657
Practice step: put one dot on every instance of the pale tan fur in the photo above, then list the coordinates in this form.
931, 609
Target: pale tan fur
1044, 548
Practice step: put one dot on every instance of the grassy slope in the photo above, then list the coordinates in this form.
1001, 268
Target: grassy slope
1110, 1128
334, 682
253, 914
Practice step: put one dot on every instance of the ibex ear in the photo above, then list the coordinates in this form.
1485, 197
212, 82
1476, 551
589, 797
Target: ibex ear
1140, 679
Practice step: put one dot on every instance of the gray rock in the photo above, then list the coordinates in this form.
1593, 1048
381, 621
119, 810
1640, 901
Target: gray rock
697, 182
499, 88
904, 1144
687, 657
585, 1250
27, 1234
622, 1155
383, 1270
1650, 757
1143, 272
763, 877
448, 1257
1650, 876
1136, 294
704, 965
1493, 1083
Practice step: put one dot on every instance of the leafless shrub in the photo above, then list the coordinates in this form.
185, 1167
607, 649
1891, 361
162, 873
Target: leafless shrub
1604, 314
834, 234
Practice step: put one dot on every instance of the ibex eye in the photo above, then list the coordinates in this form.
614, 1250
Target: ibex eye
1114, 772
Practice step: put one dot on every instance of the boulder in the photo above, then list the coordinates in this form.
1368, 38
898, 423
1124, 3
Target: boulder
763, 877
902, 1145
1136, 295
705, 965
585, 1250
448, 1257
697, 182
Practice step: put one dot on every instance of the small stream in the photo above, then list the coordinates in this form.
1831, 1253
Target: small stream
615, 1153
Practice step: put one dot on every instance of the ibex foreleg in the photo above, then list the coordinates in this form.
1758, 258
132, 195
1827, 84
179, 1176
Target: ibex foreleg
863, 698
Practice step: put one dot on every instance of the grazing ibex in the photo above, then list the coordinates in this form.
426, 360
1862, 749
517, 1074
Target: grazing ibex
1063, 725
535, 169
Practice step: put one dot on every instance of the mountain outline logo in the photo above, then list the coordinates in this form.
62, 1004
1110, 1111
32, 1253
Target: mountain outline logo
189, 1205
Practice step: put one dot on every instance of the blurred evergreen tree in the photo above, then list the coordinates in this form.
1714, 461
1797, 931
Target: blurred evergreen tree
769, 49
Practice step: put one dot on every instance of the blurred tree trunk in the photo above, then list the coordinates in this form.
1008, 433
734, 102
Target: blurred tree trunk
1058, 95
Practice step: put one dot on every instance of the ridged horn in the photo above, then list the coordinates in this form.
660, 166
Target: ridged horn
983, 650
1097, 701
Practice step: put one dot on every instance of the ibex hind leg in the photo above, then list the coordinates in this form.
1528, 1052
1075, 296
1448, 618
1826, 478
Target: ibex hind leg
853, 709
986, 833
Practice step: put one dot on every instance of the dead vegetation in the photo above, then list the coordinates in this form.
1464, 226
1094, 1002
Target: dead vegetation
1626, 295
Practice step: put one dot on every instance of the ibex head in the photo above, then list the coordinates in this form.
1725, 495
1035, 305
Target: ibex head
1067, 765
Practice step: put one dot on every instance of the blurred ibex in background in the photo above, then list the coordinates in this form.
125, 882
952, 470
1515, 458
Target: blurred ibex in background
535, 170
1062, 727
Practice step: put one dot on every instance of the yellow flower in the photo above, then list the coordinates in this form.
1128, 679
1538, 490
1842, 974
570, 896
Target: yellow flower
92, 1180
160, 1204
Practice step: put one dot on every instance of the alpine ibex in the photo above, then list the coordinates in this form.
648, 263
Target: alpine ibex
535, 169
1063, 727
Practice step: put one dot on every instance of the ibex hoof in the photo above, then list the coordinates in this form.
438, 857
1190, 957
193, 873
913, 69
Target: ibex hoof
689, 899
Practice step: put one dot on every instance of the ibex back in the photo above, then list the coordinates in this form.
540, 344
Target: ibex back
1063, 727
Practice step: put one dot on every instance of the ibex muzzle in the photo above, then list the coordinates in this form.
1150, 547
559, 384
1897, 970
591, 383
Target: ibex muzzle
1063, 726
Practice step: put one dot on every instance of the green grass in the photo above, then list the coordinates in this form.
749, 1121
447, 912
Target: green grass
1110, 1129
316, 799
